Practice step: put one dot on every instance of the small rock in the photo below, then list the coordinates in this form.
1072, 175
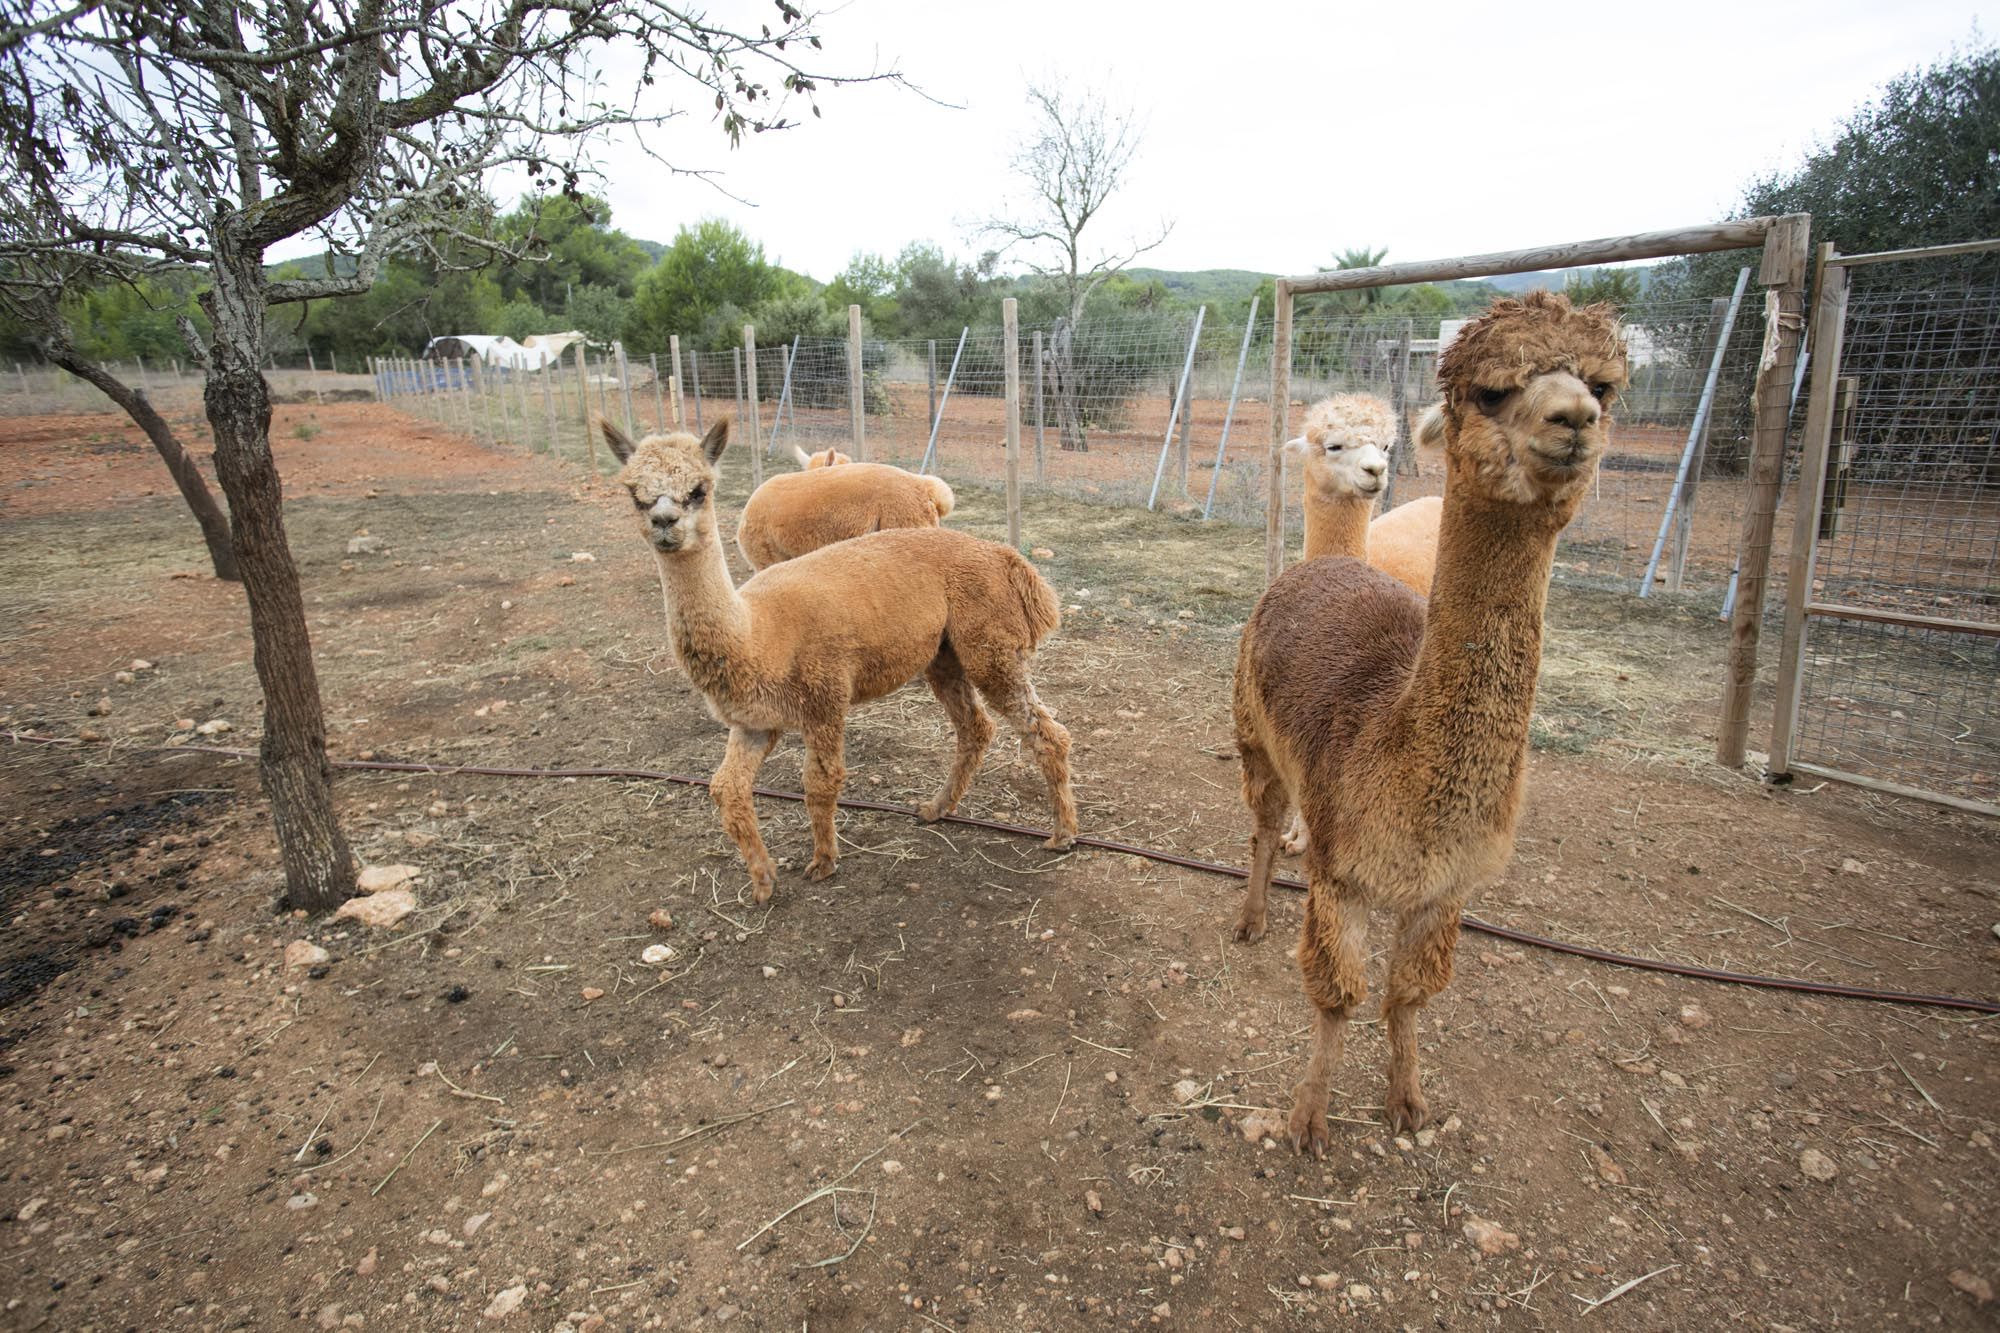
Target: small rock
91, 736
582, 558
1093, 1202
655, 954
298, 1203
380, 910
1326, 1281
183, 724
1023, 1015
493, 1186
473, 1223
102, 708
123, 677
1608, 1171
1816, 1165
1360, 1291
1489, 1238
365, 545
1186, 1091
1850, 866
215, 726
1042, 553
892, 1167
768, 972
1260, 1125
660, 919
374, 879
437, 809
1972, 1285
30, 1208
369, 1261
141, 664
304, 953
419, 839
1693, 1016
506, 1301
592, 993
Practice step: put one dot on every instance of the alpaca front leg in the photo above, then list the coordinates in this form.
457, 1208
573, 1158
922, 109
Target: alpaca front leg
1264, 792
1330, 961
969, 724
1419, 967
824, 775
731, 788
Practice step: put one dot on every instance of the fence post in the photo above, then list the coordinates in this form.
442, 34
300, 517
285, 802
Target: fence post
857, 400
1281, 406
694, 373
1808, 497
313, 371
930, 421
1228, 417
549, 409
1180, 402
1783, 276
659, 402
625, 389
937, 417
1718, 309
463, 375
750, 400
1402, 458
583, 399
1010, 324
675, 381
736, 368
1041, 466
518, 372
1697, 431
785, 394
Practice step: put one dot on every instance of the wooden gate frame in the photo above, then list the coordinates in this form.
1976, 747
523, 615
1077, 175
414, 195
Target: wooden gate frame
1829, 328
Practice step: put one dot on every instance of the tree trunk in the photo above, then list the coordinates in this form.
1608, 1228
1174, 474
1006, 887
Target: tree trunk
1063, 385
214, 527
319, 868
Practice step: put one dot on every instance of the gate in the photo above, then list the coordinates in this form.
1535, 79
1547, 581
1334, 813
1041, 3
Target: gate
1890, 673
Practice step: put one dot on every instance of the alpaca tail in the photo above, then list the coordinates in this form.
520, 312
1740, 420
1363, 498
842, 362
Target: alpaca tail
941, 497
1430, 429
1039, 607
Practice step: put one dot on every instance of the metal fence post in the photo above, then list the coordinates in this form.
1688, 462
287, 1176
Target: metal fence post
1010, 320
1228, 417
1041, 466
1697, 430
937, 414
750, 399
1180, 403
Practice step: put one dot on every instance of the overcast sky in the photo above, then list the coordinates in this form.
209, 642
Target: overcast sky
1278, 134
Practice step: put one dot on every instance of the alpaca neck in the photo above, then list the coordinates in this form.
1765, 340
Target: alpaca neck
1473, 688
708, 621
1337, 525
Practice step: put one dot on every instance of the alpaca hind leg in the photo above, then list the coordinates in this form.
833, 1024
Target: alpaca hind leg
1264, 792
1297, 839
1011, 695
1419, 967
1330, 960
825, 772
730, 789
968, 721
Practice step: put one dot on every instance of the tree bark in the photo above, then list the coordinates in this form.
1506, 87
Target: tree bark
214, 527
319, 868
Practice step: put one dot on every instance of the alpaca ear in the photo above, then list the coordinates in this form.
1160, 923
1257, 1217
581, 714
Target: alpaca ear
1297, 447
1430, 430
717, 439
620, 442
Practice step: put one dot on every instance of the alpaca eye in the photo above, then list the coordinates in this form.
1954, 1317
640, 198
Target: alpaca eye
1489, 400
697, 495
1600, 391
638, 503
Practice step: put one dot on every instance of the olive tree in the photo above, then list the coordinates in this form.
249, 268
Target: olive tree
202, 133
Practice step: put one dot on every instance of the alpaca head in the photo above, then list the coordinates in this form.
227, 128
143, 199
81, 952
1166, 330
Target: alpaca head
1527, 388
826, 458
1346, 445
671, 479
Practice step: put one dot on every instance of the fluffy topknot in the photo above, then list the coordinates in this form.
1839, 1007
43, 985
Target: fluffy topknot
1352, 418
1514, 341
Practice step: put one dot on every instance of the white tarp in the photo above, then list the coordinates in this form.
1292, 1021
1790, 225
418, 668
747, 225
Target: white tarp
539, 350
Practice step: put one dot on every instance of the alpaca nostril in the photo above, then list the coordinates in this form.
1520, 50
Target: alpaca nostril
1579, 417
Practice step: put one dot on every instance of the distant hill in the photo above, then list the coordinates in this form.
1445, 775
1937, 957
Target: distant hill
1208, 286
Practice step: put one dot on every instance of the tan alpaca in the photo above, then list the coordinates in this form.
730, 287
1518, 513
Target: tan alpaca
1402, 726
823, 458
796, 512
800, 644
1403, 543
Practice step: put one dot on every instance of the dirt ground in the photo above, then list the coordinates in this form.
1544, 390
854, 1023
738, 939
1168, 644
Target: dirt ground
966, 1083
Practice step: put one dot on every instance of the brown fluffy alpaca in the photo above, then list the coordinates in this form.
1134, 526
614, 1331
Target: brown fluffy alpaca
1402, 726
800, 644
796, 512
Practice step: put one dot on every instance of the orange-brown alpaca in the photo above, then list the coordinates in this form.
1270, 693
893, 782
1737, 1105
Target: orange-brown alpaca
1402, 729
796, 512
800, 644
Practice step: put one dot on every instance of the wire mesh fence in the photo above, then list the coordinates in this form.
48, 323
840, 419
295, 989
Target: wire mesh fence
1908, 536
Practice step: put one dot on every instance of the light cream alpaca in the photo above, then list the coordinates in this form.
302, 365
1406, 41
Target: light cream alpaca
796, 512
822, 458
800, 644
1402, 726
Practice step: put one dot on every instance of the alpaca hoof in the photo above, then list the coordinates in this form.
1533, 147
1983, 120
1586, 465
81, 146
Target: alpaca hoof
1310, 1136
821, 868
761, 886
932, 811
1409, 1112
1250, 928
1061, 842
1294, 844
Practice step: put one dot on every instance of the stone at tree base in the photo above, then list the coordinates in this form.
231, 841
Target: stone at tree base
304, 953
374, 879
380, 910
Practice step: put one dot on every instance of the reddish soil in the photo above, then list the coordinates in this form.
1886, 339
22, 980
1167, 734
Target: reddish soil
966, 1083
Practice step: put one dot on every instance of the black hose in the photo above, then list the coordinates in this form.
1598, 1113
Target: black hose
1126, 849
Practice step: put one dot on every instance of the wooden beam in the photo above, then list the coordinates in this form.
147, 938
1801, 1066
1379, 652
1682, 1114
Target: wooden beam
1274, 465
1738, 235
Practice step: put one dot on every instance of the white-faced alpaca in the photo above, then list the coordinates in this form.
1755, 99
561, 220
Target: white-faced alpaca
800, 644
796, 512
1342, 435
1401, 726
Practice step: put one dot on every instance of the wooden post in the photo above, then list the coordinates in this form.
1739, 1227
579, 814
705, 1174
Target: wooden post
477, 364
750, 400
1828, 332
1274, 464
464, 378
519, 374
736, 370
930, 417
583, 401
857, 401
694, 373
1010, 325
313, 371
625, 389
674, 356
1783, 275
659, 402
1041, 464
549, 408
